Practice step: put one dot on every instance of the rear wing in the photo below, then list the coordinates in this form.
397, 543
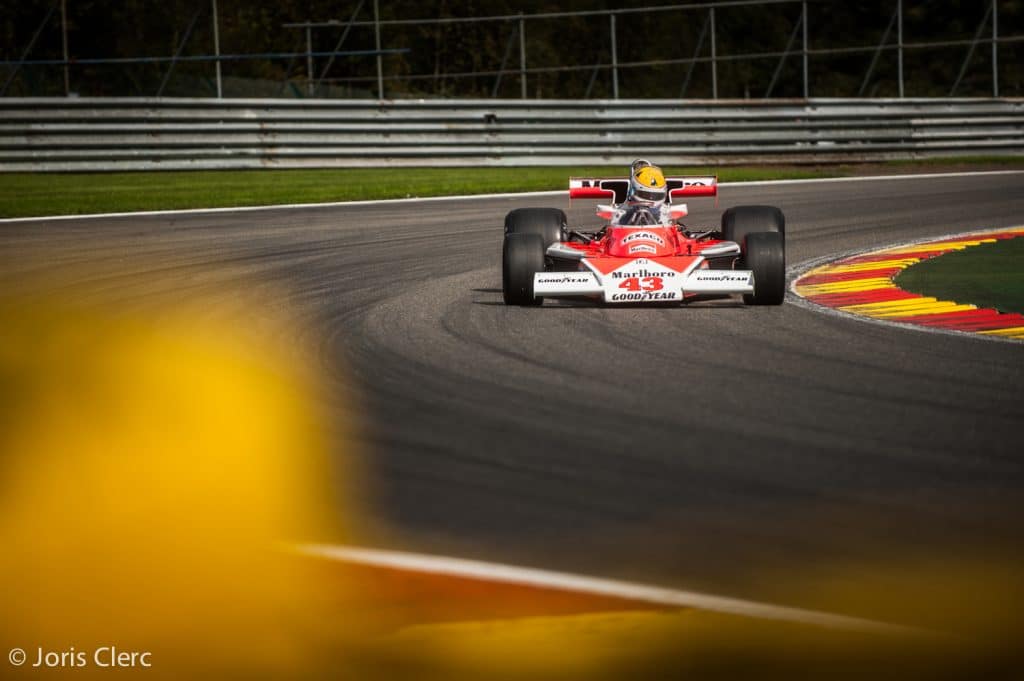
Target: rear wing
617, 188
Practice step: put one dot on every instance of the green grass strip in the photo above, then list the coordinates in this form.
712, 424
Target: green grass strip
989, 275
28, 194
32, 194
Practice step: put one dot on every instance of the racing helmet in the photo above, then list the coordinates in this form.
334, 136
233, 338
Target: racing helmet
646, 183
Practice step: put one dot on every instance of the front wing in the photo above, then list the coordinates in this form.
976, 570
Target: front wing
639, 280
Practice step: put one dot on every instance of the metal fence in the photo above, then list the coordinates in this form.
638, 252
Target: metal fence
705, 50
357, 55
121, 134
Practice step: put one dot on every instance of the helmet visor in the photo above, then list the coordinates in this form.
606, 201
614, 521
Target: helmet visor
649, 194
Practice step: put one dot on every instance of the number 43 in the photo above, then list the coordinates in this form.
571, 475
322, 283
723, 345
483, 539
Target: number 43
645, 284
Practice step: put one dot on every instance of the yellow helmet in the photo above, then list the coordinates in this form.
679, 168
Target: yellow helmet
646, 182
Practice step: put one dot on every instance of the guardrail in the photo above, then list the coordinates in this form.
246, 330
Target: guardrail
62, 134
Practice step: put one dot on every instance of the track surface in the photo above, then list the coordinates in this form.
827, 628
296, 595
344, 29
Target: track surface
694, 447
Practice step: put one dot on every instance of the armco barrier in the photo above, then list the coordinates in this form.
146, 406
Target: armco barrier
131, 134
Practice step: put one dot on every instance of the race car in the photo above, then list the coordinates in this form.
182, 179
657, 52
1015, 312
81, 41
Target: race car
644, 253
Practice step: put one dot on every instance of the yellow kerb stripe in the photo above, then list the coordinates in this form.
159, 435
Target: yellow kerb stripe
855, 286
866, 266
941, 307
939, 246
1012, 332
887, 305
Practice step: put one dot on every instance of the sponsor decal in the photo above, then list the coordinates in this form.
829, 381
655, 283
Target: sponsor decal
643, 236
642, 272
643, 296
719, 275
644, 288
643, 248
566, 279
644, 284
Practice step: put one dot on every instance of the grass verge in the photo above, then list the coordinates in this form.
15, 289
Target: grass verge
32, 194
989, 275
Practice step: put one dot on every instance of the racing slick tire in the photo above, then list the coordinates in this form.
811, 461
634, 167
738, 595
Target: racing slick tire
547, 223
765, 255
739, 221
522, 256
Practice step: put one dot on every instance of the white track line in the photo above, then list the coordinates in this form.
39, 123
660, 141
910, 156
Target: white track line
870, 178
797, 271
468, 197
595, 586
286, 206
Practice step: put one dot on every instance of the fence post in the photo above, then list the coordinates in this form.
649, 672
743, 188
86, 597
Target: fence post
714, 56
995, 49
590, 83
693, 61
64, 45
876, 55
615, 60
504, 63
970, 50
807, 85
28, 48
783, 58
177, 53
341, 41
309, 59
380, 62
899, 45
216, 48
522, 56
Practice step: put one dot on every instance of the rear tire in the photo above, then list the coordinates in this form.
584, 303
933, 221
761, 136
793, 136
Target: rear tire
547, 223
739, 221
765, 255
522, 256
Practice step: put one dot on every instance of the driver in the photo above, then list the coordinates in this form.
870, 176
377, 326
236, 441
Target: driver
645, 198
646, 183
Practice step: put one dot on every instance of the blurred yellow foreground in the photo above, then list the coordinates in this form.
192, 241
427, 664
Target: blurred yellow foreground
156, 467
153, 469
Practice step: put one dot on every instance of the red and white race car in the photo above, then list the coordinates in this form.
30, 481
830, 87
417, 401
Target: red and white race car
643, 253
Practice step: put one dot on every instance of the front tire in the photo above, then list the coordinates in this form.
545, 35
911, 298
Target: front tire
522, 256
765, 255
740, 221
547, 223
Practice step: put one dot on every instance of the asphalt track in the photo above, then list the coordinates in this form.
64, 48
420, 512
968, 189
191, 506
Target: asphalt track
712, 446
